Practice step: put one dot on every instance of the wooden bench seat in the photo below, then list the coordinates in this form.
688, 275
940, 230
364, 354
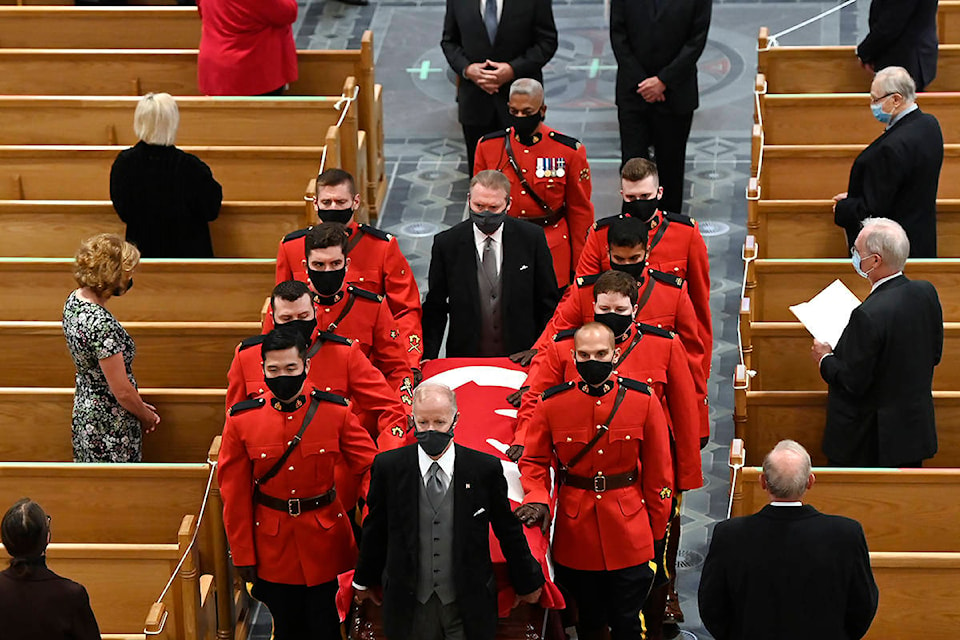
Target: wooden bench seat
217, 290
35, 423
171, 354
764, 418
911, 582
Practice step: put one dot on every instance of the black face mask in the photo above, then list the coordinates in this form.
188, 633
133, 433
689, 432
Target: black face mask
285, 388
119, 291
640, 209
434, 442
525, 125
636, 270
327, 283
303, 327
343, 216
594, 372
487, 222
617, 323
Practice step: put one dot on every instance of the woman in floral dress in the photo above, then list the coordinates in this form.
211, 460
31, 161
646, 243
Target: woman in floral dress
108, 411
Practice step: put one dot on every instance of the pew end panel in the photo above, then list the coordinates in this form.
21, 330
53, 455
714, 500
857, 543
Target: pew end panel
911, 582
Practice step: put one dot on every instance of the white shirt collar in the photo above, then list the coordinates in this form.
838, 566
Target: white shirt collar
786, 504
445, 461
479, 237
882, 280
897, 117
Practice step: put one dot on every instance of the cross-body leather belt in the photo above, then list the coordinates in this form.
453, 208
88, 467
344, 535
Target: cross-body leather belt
294, 506
545, 221
600, 482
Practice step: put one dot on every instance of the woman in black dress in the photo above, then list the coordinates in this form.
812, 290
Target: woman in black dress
166, 197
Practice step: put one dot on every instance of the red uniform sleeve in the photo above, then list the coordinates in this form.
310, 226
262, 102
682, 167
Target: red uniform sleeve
369, 390
483, 158
537, 459
546, 370
683, 404
579, 207
357, 449
689, 331
236, 382
284, 269
698, 286
594, 249
276, 13
657, 470
403, 298
235, 476
388, 354
569, 315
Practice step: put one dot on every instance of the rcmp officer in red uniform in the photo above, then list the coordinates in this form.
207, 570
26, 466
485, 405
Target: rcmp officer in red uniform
548, 172
288, 531
675, 247
376, 262
350, 311
611, 443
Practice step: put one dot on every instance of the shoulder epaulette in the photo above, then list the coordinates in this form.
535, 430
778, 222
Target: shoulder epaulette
502, 133
606, 222
327, 336
563, 335
299, 233
363, 293
328, 396
552, 391
379, 234
655, 331
586, 281
243, 405
634, 385
666, 278
252, 341
573, 143
679, 217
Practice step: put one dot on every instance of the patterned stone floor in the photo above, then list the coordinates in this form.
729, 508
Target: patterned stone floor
427, 169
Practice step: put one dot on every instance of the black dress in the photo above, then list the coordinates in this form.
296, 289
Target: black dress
166, 197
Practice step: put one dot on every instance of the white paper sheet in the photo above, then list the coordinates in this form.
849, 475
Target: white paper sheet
826, 315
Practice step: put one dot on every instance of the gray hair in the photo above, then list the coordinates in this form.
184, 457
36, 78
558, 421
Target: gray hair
491, 179
787, 470
527, 87
156, 119
886, 238
434, 389
896, 80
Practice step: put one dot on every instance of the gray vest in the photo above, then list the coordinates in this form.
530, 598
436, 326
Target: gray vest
435, 573
491, 318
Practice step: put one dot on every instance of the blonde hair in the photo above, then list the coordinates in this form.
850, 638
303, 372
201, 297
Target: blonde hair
156, 119
102, 261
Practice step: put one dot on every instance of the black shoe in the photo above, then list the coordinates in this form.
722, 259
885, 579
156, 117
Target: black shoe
670, 631
356, 3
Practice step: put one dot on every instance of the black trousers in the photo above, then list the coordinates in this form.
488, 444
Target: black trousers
643, 126
611, 599
300, 612
473, 132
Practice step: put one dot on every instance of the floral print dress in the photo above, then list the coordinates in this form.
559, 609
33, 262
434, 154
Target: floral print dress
103, 431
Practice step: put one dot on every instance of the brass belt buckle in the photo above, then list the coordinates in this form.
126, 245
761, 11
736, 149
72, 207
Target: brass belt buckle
599, 482
293, 507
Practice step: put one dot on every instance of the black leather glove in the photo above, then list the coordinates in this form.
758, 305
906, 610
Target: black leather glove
417, 377
247, 573
533, 514
523, 358
704, 441
660, 557
514, 398
514, 452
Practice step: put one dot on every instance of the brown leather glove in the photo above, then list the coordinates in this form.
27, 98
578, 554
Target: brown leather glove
514, 398
417, 377
533, 514
704, 441
523, 358
514, 452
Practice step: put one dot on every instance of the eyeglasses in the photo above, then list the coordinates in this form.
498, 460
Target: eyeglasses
882, 98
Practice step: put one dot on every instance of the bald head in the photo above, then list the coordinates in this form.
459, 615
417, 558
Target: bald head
786, 472
594, 332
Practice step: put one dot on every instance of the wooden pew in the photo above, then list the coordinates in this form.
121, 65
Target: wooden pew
912, 582
805, 228
764, 418
171, 354
948, 22
819, 69
132, 72
35, 422
99, 27
218, 290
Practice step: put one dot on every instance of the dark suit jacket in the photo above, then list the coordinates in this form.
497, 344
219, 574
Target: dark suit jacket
526, 38
903, 33
529, 295
664, 41
44, 606
896, 177
790, 573
880, 403
389, 544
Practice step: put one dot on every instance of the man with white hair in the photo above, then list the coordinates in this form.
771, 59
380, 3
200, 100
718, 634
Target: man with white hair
896, 176
880, 375
788, 572
549, 175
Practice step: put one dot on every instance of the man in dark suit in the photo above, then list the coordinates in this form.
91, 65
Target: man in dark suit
482, 270
788, 572
488, 43
657, 44
903, 33
426, 537
896, 176
880, 376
